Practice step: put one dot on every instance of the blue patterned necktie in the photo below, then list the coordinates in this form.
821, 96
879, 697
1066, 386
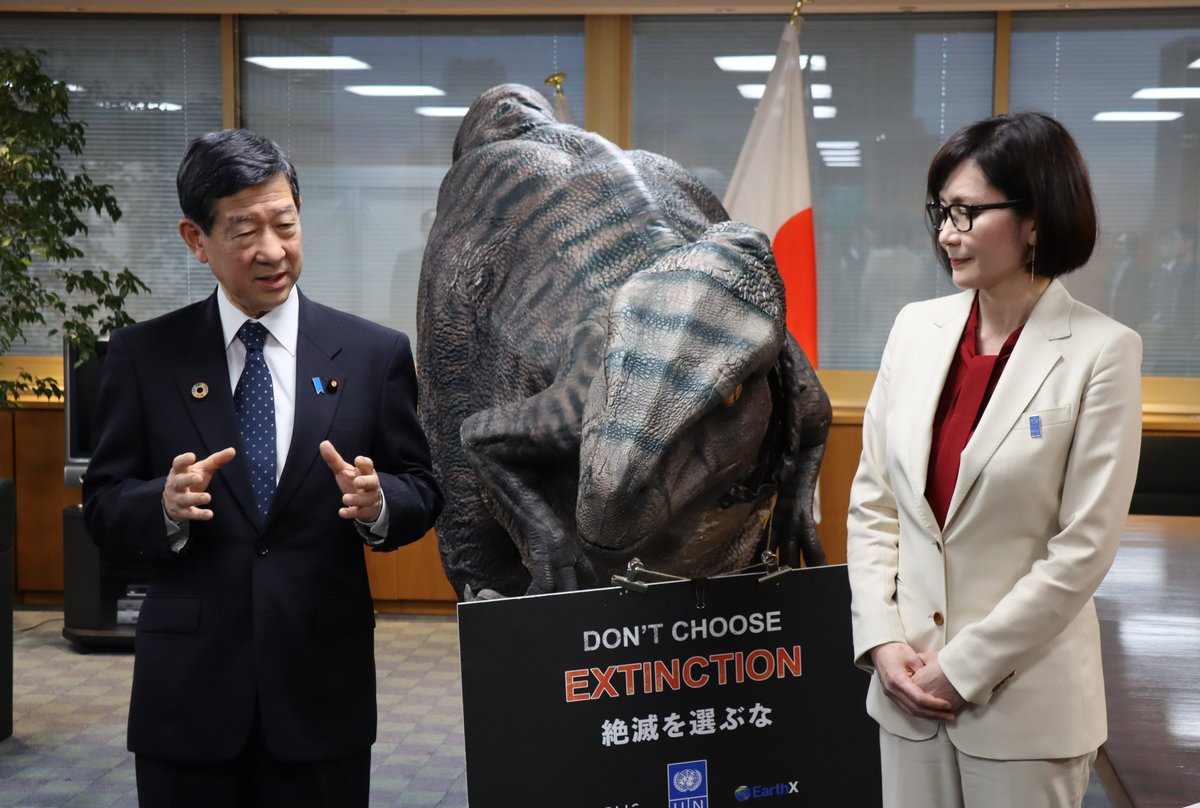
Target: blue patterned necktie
255, 402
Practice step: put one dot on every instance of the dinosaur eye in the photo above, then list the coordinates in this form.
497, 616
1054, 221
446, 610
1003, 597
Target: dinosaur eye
732, 398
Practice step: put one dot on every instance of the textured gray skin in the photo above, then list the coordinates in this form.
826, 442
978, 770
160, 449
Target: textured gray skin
584, 314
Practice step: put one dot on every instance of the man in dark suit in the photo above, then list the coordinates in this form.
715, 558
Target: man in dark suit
222, 427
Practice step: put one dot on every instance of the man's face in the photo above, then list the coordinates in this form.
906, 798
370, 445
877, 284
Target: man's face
254, 250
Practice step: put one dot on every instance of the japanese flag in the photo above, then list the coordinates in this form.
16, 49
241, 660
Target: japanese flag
562, 111
770, 188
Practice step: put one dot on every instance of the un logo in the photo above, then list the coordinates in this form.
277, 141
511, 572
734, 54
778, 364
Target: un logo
687, 784
687, 780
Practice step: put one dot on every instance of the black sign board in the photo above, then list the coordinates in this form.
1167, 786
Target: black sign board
691, 694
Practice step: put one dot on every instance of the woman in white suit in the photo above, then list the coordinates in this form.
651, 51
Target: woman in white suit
1000, 446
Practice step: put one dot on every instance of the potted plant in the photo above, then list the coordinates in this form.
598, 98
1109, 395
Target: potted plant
42, 202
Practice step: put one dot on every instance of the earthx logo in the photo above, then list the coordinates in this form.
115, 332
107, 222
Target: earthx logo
687, 784
782, 788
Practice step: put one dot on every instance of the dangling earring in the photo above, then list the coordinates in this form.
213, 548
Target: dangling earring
1032, 256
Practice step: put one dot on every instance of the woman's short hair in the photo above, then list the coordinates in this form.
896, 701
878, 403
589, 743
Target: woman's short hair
222, 163
1031, 157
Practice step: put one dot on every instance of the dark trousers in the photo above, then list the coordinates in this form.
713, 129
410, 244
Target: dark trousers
254, 779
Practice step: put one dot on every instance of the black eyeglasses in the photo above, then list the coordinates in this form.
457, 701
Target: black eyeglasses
962, 216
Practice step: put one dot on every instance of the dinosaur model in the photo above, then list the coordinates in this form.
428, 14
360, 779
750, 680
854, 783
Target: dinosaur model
604, 369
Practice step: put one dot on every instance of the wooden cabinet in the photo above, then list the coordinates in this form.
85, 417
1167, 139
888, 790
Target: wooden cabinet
37, 469
411, 579
31, 452
1171, 405
842, 448
6, 443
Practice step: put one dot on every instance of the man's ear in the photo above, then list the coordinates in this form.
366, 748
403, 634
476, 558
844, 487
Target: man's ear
193, 237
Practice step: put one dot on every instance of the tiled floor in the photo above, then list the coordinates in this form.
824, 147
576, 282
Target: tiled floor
68, 748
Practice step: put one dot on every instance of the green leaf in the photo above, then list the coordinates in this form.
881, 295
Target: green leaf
41, 208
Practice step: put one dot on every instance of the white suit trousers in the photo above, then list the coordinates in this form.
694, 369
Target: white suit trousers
933, 774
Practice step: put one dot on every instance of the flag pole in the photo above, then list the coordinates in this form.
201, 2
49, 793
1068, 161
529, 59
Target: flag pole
795, 18
562, 112
770, 187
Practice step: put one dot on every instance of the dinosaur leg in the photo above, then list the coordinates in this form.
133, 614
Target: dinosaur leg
526, 458
808, 415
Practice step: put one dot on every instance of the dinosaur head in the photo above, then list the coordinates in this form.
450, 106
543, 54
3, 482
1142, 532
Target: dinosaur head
504, 112
678, 414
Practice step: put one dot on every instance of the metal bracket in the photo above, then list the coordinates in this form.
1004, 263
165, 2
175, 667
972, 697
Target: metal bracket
636, 573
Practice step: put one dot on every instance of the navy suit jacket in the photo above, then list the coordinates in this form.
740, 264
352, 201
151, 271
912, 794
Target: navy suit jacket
273, 615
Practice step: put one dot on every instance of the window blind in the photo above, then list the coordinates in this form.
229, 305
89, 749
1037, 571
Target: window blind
144, 86
1088, 70
899, 85
370, 165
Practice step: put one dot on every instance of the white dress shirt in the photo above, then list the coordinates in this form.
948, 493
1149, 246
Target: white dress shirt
279, 351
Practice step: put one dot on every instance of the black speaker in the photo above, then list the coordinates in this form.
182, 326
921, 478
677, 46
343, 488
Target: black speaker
8, 532
1167, 482
100, 595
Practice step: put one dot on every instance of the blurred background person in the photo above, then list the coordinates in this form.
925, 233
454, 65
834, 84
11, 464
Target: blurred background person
406, 274
1125, 294
1169, 326
897, 271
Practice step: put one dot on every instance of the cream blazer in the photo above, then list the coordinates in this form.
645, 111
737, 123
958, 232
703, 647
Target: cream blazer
1004, 591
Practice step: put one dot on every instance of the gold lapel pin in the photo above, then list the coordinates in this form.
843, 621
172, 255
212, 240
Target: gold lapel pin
199, 390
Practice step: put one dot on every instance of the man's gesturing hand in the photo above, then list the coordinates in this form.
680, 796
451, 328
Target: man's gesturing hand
359, 484
186, 490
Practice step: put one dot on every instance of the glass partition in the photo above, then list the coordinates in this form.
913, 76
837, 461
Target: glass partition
1127, 85
372, 140
144, 87
886, 91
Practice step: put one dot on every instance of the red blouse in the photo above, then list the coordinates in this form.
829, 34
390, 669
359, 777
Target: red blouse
968, 388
